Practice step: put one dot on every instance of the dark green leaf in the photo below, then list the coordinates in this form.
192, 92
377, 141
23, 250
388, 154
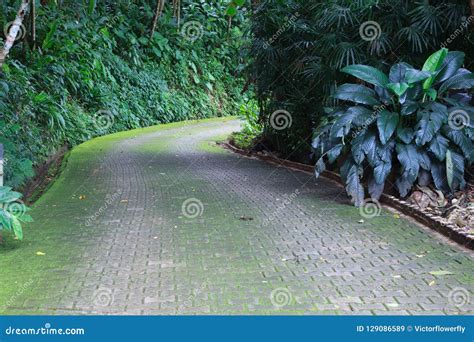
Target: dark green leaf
397, 72
375, 189
428, 126
381, 171
462, 80
387, 123
334, 152
405, 134
453, 61
414, 75
356, 93
398, 88
353, 185
439, 146
368, 74
432, 65
319, 168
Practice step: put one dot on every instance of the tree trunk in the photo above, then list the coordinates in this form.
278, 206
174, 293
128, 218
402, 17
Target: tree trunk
472, 7
33, 24
15, 27
158, 9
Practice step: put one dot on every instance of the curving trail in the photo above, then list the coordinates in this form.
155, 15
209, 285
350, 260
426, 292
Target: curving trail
162, 221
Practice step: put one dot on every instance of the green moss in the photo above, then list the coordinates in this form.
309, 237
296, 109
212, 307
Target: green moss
243, 140
55, 229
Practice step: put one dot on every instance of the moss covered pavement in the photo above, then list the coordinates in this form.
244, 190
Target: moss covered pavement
162, 221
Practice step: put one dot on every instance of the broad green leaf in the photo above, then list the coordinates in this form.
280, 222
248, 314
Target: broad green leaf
432, 94
414, 75
428, 126
405, 134
342, 125
432, 65
17, 230
449, 168
438, 173
409, 107
451, 64
9, 196
439, 146
334, 152
368, 74
434, 62
457, 177
460, 139
387, 123
462, 80
384, 152
25, 218
398, 88
353, 185
381, 171
319, 167
369, 146
356, 93
397, 72
356, 148
409, 156
362, 115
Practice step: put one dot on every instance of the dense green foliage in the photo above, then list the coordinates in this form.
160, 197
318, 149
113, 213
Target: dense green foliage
95, 70
417, 125
301, 46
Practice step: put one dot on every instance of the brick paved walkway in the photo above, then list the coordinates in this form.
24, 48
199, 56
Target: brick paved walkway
163, 222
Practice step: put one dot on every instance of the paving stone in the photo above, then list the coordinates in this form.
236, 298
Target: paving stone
198, 230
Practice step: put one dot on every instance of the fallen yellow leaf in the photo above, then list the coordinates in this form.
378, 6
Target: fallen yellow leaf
40, 253
440, 273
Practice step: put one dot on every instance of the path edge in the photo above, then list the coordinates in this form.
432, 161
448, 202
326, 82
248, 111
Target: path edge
431, 221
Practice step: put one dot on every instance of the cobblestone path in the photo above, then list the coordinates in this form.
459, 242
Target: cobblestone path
162, 221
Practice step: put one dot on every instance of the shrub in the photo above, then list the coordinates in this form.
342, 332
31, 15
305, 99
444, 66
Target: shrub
97, 71
12, 212
300, 46
414, 124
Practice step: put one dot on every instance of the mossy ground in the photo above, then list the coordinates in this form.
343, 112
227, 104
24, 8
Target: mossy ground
49, 241
258, 229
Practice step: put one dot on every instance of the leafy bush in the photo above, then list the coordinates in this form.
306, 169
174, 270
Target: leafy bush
300, 46
12, 212
416, 125
251, 126
97, 71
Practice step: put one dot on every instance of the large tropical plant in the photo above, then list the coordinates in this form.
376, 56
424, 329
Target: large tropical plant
299, 47
409, 126
12, 212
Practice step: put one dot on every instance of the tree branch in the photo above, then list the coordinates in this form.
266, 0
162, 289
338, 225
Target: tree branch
13, 31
